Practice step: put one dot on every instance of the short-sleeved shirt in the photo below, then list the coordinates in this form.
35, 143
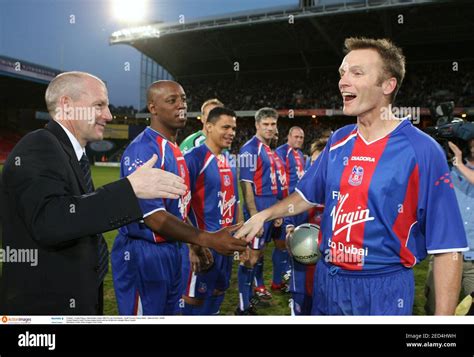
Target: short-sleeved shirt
192, 141
257, 166
282, 178
294, 162
214, 189
170, 159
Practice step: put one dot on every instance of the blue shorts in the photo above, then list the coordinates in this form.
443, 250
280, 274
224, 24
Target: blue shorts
202, 285
279, 233
301, 304
262, 202
147, 276
388, 291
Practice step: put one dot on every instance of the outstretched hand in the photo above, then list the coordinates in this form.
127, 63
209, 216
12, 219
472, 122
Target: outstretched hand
224, 243
148, 182
251, 229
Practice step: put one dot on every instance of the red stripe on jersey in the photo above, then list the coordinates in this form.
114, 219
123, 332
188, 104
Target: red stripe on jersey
188, 284
159, 141
184, 201
309, 279
299, 164
227, 200
135, 305
406, 219
273, 173
282, 175
259, 173
198, 200
315, 214
287, 165
351, 212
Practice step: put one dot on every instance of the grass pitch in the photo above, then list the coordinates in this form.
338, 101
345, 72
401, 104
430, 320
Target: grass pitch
279, 305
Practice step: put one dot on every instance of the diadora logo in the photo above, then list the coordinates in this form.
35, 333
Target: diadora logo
363, 158
344, 221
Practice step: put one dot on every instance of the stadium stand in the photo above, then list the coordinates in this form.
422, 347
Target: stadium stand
425, 84
8, 140
288, 58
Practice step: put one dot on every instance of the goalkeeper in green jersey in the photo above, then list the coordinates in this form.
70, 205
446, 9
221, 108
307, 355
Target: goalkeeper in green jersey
199, 136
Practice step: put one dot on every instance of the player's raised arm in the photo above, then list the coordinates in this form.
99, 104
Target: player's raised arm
290, 206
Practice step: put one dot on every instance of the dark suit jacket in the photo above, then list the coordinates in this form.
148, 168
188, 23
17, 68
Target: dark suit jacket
45, 208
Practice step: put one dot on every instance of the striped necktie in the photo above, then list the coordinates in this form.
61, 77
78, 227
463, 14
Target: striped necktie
103, 265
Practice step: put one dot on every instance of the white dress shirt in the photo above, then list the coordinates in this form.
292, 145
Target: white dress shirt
78, 149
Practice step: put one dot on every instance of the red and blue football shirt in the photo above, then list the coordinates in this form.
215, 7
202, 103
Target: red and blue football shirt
257, 166
282, 182
294, 164
214, 191
387, 202
170, 159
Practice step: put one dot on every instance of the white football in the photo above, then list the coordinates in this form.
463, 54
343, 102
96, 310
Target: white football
303, 243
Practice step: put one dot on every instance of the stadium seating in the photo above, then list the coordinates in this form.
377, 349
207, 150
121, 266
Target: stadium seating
8, 140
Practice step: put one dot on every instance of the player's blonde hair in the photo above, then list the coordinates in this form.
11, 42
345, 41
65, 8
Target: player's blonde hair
213, 101
393, 60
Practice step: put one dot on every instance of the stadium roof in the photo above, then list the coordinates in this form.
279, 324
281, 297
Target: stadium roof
16, 68
304, 38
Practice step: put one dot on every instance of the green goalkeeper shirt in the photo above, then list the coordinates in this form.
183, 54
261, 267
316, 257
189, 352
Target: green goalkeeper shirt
192, 140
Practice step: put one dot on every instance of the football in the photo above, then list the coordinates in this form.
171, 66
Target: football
303, 244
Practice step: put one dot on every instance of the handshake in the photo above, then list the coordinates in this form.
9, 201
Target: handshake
149, 183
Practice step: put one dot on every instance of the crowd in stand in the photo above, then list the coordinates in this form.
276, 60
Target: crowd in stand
424, 85
246, 129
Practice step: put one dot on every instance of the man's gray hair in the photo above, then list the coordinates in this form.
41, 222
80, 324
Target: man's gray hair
70, 84
265, 112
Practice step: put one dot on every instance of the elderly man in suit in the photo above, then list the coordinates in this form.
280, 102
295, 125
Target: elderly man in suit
50, 205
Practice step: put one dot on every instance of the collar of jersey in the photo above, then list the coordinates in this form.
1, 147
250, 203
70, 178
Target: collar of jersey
400, 125
213, 155
260, 141
157, 133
